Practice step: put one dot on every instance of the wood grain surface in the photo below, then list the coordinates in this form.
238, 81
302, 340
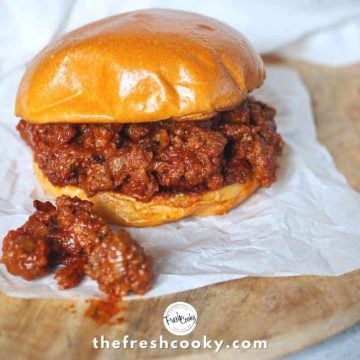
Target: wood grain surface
291, 313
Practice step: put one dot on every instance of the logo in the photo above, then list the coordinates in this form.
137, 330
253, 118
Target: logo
180, 318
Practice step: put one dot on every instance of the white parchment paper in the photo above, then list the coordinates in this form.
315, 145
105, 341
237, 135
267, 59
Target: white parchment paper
306, 223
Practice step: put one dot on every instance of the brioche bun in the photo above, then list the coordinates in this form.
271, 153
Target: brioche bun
141, 66
125, 210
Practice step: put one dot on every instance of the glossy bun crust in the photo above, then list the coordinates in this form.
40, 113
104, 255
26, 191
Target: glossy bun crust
140, 66
125, 210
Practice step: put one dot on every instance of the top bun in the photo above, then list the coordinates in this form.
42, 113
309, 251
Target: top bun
140, 66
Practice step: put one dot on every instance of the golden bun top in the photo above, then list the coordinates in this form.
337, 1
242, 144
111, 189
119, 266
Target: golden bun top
141, 66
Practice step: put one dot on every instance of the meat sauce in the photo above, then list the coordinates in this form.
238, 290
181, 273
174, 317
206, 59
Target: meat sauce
75, 241
146, 160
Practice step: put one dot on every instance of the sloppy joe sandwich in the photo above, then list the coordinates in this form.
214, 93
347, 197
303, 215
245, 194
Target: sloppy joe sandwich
147, 114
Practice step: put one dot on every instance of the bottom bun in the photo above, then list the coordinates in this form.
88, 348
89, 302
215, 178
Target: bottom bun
125, 210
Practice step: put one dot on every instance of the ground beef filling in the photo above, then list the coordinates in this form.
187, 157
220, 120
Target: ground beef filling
150, 159
73, 239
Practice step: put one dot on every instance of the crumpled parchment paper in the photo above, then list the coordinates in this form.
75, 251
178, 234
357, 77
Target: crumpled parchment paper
306, 223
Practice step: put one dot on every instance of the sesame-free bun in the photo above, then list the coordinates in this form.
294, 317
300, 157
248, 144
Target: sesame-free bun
125, 210
141, 66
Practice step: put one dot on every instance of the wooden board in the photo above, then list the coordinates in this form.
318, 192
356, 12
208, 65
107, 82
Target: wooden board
291, 313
